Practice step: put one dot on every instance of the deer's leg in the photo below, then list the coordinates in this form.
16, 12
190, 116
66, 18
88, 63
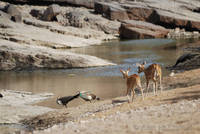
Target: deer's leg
127, 94
161, 88
156, 90
142, 92
147, 87
153, 88
133, 93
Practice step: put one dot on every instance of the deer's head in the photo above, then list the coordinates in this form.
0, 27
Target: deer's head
141, 67
125, 73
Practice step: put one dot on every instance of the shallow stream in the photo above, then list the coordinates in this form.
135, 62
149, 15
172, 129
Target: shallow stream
106, 82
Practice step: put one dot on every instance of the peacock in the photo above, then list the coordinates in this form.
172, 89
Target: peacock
1, 96
66, 99
88, 96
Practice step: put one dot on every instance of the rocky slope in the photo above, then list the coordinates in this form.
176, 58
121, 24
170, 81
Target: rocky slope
46, 26
32, 38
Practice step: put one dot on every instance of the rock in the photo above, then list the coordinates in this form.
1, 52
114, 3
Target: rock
3, 6
187, 61
111, 11
14, 13
77, 19
37, 13
84, 19
131, 29
51, 12
166, 13
169, 20
4, 16
82, 3
17, 105
138, 12
17, 57
62, 20
16, 18
178, 33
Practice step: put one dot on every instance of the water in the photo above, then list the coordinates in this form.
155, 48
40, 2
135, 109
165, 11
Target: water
106, 82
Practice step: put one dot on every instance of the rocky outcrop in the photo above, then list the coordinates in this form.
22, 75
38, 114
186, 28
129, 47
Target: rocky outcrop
83, 3
13, 12
178, 33
112, 11
36, 43
170, 20
166, 13
51, 12
131, 29
17, 57
189, 59
185, 62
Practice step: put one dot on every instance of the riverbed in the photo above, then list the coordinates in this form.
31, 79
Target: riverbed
106, 82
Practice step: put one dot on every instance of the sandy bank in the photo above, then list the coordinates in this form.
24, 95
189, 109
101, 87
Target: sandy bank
159, 111
16, 105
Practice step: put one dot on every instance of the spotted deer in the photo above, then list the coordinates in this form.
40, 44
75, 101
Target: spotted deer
152, 72
132, 82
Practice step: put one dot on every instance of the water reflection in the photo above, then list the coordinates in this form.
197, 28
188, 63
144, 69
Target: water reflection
106, 82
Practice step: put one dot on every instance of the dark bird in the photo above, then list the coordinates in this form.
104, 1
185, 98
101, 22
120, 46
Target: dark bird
1, 96
66, 99
184, 57
89, 97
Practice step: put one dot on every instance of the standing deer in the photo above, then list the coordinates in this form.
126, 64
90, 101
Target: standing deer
132, 82
154, 73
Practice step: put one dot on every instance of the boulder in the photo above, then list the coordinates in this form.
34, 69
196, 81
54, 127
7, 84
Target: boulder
37, 13
15, 14
170, 20
112, 11
77, 19
131, 29
138, 12
51, 12
62, 20
187, 61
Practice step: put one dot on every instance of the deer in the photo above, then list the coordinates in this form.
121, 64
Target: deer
132, 82
152, 72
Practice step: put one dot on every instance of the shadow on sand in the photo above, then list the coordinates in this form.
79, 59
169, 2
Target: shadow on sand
187, 95
119, 101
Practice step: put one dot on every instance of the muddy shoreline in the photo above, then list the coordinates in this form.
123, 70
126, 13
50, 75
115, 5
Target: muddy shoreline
183, 87
182, 82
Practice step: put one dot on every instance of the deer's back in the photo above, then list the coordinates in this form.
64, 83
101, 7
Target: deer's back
133, 79
150, 71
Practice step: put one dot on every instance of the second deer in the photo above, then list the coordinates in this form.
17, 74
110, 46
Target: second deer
132, 82
154, 73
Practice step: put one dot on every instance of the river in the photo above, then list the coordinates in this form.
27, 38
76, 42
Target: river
106, 82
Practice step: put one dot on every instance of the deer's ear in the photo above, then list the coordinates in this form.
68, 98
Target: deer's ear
121, 70
144, 62
137, 64
129, 69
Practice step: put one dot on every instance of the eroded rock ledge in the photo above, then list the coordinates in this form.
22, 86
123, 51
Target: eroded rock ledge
63, 26
14, 56
34, 37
